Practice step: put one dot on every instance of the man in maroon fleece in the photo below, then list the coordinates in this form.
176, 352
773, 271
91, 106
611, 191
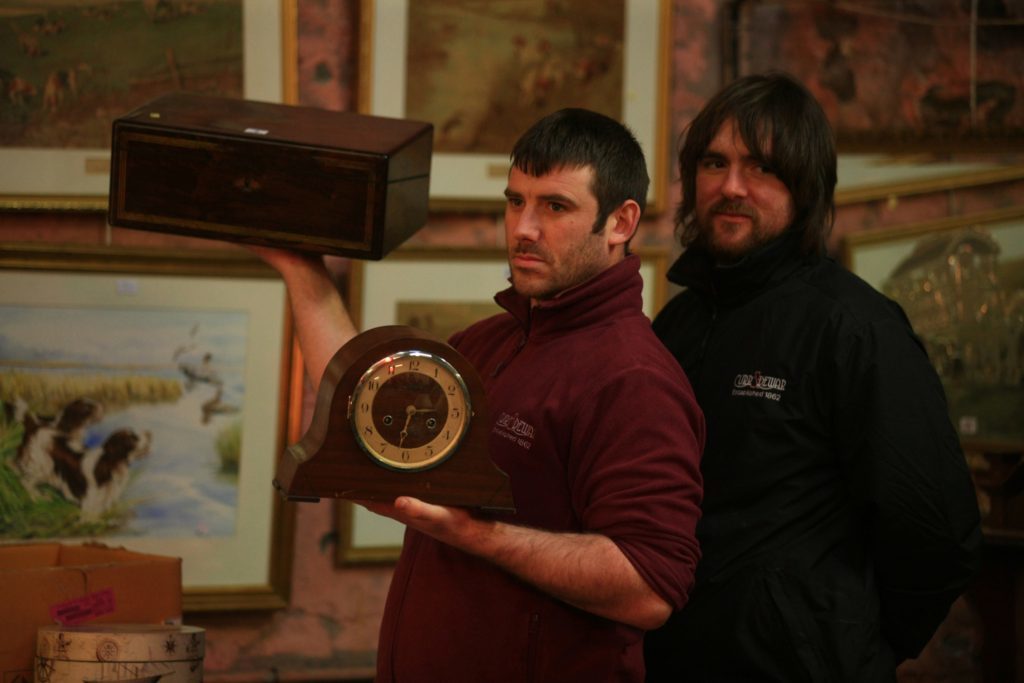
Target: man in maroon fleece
605, 449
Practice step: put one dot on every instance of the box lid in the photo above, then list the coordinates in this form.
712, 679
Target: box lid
212, 115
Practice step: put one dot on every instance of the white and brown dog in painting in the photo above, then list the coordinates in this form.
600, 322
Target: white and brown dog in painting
53, 452
106, 470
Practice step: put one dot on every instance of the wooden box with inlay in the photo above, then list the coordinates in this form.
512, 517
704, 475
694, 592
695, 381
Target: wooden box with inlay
270, 174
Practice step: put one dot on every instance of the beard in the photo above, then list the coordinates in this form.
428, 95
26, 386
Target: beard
722, 243
574, 267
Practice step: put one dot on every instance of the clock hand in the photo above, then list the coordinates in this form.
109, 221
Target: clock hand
409, 412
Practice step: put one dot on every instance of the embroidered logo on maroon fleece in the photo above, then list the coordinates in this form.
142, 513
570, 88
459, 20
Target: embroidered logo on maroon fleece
513, 428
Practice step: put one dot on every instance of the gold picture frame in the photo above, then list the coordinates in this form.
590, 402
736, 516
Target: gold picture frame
524, 60
208, 334
440, 291
882, 177
58, 96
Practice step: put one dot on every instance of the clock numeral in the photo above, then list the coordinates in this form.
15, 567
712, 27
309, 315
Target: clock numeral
414, 365
451, 389
405, 456
456, 412
437, 371
364, 407
373, 385
430, 450
368, 430
391, 369
383, 447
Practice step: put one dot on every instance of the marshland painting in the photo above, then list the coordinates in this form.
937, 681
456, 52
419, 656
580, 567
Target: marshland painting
166, 387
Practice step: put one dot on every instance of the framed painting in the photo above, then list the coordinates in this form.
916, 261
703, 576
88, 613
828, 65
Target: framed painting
961, 282
923, 76
440, 291
170, 383
868, 177
486, 71
69, 69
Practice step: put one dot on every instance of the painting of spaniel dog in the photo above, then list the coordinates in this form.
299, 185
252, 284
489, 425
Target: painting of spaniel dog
53, 453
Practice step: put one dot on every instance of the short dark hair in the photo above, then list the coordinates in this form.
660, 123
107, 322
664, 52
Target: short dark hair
577, 138
782, 124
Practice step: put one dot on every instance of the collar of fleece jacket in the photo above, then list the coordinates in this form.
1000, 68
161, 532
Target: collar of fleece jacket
738, 282
616, 291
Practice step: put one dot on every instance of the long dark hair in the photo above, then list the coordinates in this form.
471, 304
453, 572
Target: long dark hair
782, 124
577, 138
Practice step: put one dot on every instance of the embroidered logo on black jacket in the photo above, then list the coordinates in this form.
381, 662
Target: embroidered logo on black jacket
757, 385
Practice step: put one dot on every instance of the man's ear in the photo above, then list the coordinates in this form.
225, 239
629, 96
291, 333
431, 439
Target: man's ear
622, 223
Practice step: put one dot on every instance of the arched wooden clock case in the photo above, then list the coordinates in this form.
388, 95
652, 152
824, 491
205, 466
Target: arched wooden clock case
398, 412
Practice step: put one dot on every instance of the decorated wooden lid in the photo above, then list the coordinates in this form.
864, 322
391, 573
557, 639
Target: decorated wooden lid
120, 652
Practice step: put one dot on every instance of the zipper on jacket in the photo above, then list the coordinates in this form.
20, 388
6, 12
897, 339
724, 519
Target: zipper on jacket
519, 347
707, 334
532, 646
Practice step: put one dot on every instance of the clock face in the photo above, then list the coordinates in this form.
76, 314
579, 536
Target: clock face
410, 410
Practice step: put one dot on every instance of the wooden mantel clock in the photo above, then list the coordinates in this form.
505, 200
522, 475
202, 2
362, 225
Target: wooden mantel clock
398, 412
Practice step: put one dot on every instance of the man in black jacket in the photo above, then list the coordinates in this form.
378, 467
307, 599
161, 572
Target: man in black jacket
839, 519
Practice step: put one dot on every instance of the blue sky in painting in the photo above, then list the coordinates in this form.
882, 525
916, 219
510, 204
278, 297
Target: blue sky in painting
109, 337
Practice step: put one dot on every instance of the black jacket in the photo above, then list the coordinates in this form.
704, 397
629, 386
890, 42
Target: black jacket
839, 518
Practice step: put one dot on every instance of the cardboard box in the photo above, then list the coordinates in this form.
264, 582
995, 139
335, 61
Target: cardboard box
90, 583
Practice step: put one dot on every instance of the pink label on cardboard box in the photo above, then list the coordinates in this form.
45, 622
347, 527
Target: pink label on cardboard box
83, 609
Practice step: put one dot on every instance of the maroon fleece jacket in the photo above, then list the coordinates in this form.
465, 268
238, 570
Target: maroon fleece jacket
597, 427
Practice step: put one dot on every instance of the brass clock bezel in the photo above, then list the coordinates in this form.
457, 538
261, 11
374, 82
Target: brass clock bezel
381, 455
